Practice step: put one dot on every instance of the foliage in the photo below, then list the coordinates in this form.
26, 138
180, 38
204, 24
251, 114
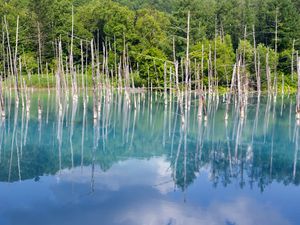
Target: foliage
225, 57
147, 28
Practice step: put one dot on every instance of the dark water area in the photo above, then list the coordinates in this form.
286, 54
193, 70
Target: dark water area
149, 164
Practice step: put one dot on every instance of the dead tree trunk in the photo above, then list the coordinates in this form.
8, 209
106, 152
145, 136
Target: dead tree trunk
298, 91
72, 71
187, 63
175, 65
276, 41
16, 60
3, 50
215, 57
40, 49
202, 67
268, 73
292, 66
94, 80
10, 58
209, 72
2, 99
257, 75
82, 74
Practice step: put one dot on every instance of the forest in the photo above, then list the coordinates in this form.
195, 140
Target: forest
153, 33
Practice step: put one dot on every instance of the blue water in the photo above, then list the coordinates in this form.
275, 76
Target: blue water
143, 165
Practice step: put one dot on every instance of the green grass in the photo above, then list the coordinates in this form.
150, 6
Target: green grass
42, 81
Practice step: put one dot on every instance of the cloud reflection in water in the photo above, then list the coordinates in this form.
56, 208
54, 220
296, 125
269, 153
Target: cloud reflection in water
132, 192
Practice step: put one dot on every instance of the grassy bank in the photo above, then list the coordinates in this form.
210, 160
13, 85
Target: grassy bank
43, 82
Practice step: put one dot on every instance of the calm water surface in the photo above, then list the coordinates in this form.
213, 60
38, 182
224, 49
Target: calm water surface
146, 166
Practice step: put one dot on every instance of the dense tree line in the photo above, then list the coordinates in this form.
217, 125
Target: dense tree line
150, 28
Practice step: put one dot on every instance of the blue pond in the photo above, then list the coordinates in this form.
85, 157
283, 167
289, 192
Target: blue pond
146, 162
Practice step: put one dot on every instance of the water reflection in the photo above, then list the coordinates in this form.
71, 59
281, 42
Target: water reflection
264, 144
142, 147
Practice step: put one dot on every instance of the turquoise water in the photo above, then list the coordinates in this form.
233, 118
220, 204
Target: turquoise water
144, 165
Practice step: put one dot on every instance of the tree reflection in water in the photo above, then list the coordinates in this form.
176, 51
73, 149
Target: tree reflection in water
257, 148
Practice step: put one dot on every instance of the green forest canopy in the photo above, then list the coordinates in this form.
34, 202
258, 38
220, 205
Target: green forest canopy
149, 27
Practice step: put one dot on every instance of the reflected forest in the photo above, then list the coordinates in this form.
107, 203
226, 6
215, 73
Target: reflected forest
247, 150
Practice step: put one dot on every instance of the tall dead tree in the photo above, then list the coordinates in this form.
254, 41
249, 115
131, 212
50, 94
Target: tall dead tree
82, 73
40, 64
11, 60
94, 80
209, 71
298, 90
15, 58
72, 70
244, 78
202, 67
257, 75
176, 66
276, 41
187, 62
3, 50
165, 83
292, 66
233, 81
2, 98
268, 73
215, 56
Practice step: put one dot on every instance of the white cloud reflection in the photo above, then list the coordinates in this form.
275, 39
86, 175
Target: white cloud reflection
154, 172
242, 211
128, 194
